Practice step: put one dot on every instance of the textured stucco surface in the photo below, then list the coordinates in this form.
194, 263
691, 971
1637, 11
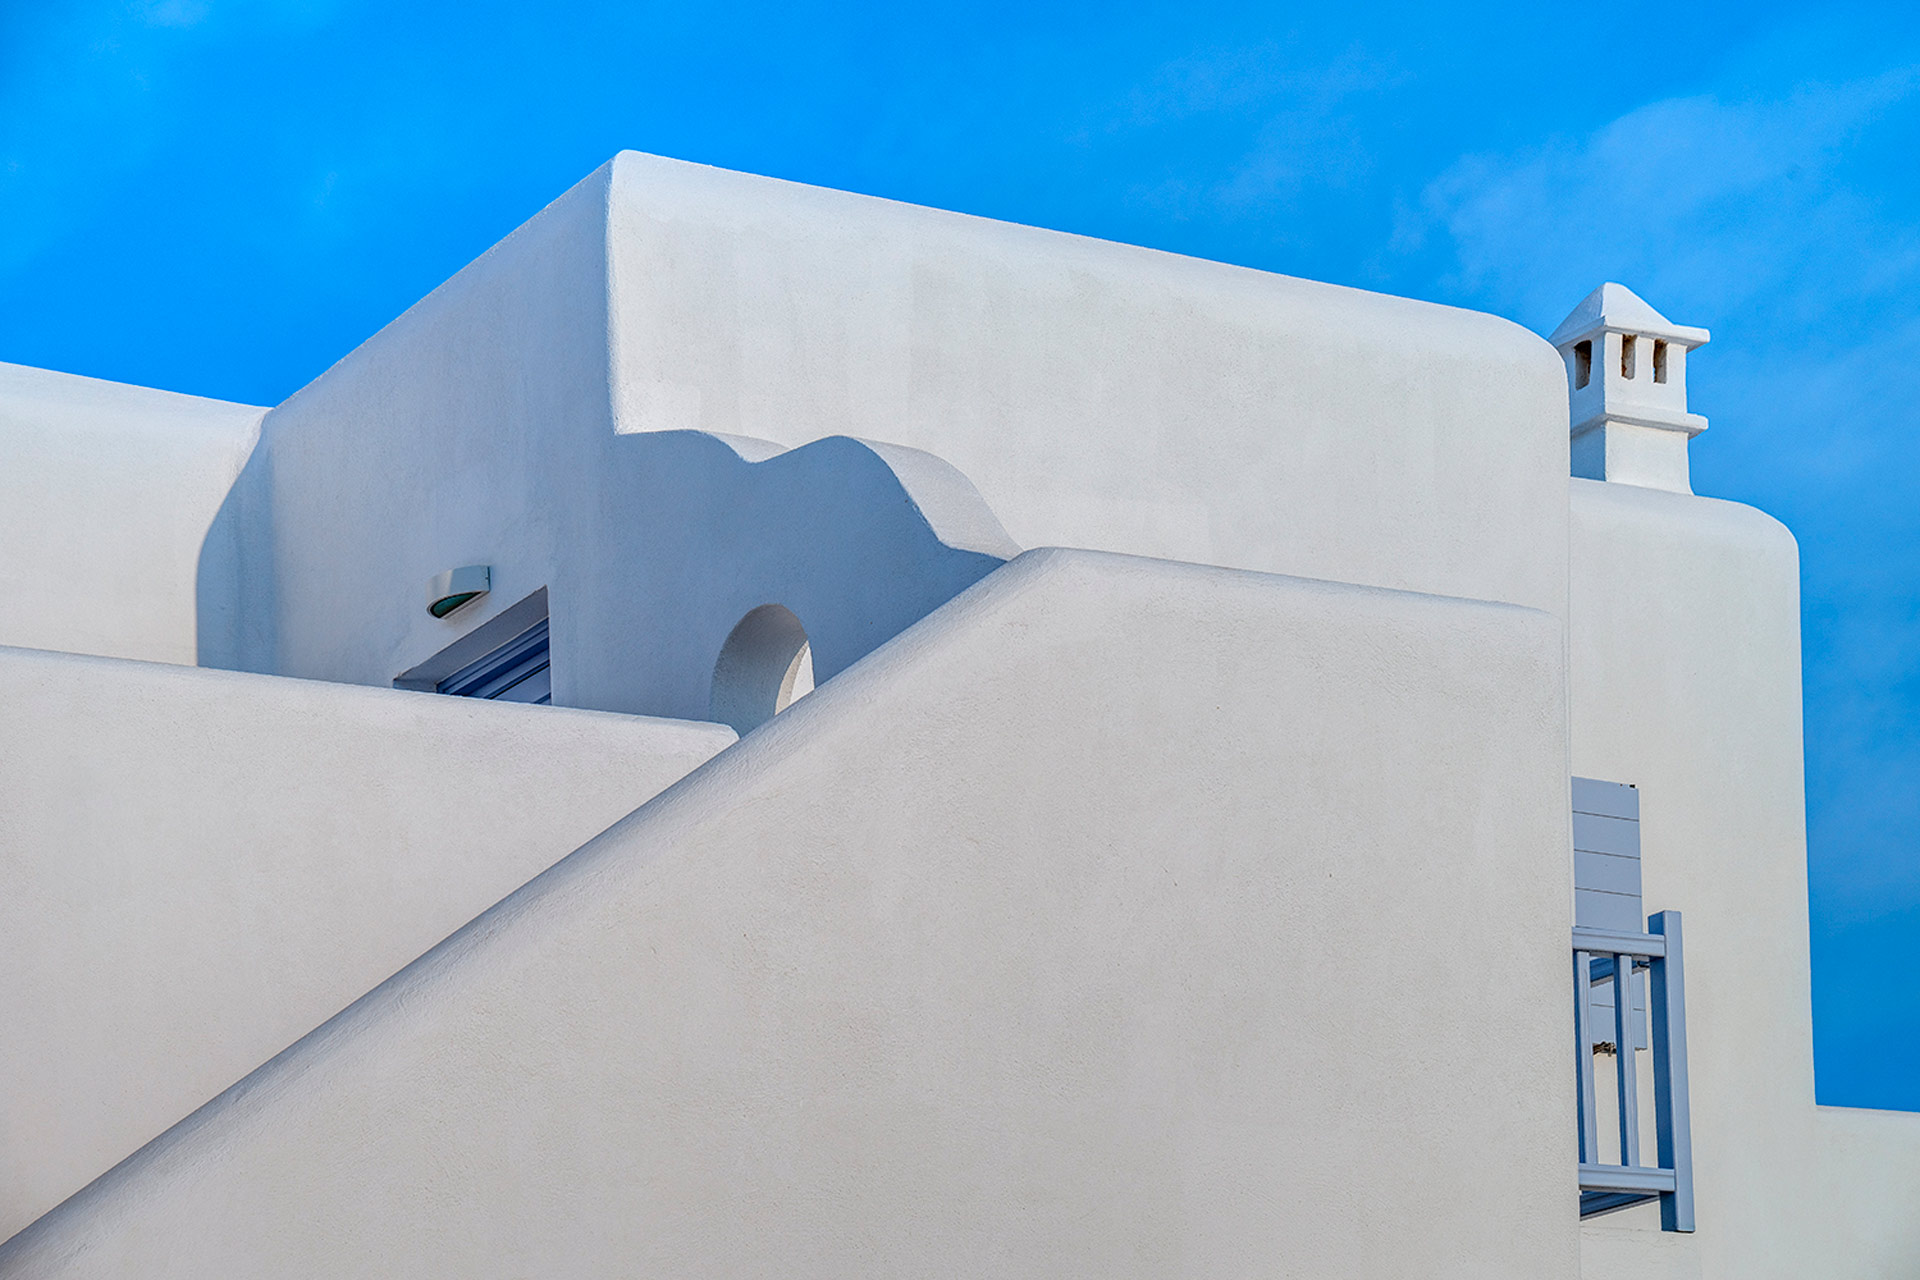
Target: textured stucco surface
1098, 394
202, 866
1685, 629
1092, 926
477, 429
430, 436
599, 405
107, 493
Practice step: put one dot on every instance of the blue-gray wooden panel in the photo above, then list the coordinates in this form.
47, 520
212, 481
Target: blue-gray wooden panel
1607, 873
1606, 887
1608, 799
1596, 834
1594, 909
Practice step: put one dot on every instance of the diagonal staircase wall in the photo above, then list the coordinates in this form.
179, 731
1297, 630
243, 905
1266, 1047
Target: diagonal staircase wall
1119, 918
203, 865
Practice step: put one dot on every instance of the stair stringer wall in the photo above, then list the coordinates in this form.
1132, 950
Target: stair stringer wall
1119, 918
203, 865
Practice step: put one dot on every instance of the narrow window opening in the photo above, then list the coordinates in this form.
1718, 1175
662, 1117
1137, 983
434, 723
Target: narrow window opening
505, 659
1582, 364
1628, 344
1659, 361
518, 671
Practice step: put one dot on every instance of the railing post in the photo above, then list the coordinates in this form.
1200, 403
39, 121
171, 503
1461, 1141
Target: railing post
1624, 1065
1583, 1055
1603, 955
1673, 1121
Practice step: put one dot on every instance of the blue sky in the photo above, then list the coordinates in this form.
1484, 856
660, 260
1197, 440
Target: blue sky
224, 197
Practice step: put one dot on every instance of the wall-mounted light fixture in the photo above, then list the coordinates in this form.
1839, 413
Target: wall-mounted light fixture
452, 588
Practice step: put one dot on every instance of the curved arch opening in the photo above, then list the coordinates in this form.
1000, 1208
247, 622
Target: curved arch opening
765, 665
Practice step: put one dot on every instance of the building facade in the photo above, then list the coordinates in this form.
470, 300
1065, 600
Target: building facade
758, 730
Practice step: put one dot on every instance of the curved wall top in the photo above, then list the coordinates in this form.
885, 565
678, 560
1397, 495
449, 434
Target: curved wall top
478, 428
107, 492
599, 406
1098, 394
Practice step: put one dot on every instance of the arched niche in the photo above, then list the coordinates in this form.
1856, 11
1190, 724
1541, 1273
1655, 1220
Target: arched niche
763, 667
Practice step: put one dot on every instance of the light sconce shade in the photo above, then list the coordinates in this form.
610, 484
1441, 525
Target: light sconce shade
454, 587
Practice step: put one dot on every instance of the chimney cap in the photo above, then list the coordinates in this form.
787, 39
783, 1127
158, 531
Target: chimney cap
1614, 308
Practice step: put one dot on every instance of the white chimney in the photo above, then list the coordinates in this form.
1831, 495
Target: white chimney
1627, 381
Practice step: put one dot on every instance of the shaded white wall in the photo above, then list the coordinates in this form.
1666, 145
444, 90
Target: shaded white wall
1685, 627
1098, 394
107, 492
476, 429
421, 450
598, 406
1121, 918
202, 866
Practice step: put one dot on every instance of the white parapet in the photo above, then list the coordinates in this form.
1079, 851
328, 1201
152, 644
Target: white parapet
110, 539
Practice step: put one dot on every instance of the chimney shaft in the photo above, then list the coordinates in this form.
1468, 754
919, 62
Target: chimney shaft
1627, 390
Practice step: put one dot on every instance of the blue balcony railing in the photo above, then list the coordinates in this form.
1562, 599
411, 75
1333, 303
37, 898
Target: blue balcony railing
1600, 959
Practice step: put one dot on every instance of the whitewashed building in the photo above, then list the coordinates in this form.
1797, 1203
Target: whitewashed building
1238, 759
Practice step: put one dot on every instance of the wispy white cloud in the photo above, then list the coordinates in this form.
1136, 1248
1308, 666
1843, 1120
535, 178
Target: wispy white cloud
1751, 217
1245, 77
1697, 199
1274, 125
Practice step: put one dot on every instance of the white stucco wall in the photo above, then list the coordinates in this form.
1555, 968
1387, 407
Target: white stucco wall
1866, 1171
107, 493
1121, 918
1098, 394
542, 411
476, 429
1685, 629
202, 866
420, 451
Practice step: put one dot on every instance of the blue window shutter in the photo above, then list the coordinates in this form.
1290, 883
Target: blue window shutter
1606, 883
